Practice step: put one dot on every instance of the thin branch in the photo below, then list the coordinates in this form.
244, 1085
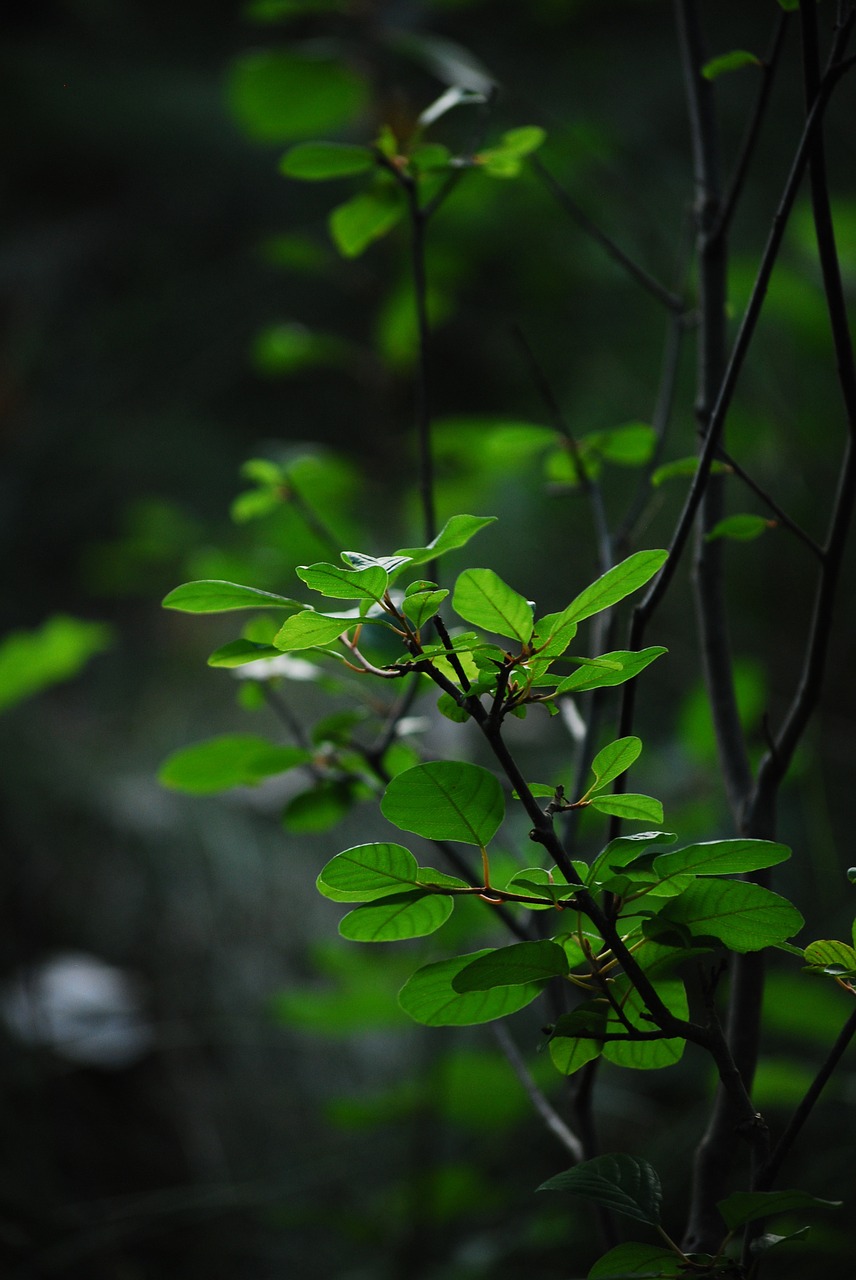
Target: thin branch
769, 1171
542, 1105
769, 501
609, 246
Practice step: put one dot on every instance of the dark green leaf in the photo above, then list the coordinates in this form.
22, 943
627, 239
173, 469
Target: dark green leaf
746, 917
429, 997
649, 1261
396, 917
219, 597
721, 858
742, 528
521, 962
622, 1184
828, 956
318, 809
239, 652
446, 800
316, 161
752, 1206
684, 467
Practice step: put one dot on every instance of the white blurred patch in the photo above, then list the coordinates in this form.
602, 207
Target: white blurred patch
269, 668
572, 719
85, 1010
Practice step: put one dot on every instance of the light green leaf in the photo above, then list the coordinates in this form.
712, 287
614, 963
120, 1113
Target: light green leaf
630, 445
634, 808
684, 467
481, 597
345, 584
721, 858
615, 584
239, 652
751, 1206
552, 635
521, 962
574, 1041
278, 95
746, 917
429, 997
396, 917
368, 871
446, 800
622, 1184
741, 528
365, 218
307, 629
615, 759
630, 664
643, 1260
456, 532
725, 62
421, 606
33, 660
317, 161
239, 760
828, 956
211, 596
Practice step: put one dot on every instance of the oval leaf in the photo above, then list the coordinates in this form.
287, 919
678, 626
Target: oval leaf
643, 1260
615, 584
615, 759
365, 218
232, 761
212, 596
483, 598
345, 584
456, 532
746, 917
741, 528
317, 161
429, 997
620, 1183
509, 966
751, 1206
629, 665
394, 918
634, 808
307, 629
721, 858
446, 800
368, 871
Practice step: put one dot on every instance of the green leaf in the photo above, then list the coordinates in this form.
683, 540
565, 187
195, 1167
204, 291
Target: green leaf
746, 917
396, 917
751, 1206
309, 629
684, 467
446, 800
365, 218
278, 95
741, 528
239, 652
239, 760
621, 1183
319, 808
630, 445
368, 871
318, 161
57, 650
575, 1038
552, 635
615, 584
615, 759
721, 858
828, 956
634, 808
211, 596
504, 160
643, 1260
456, 532
725, 62
430, 998
345, 584
421, 606
521, 962
630, 664
481, 597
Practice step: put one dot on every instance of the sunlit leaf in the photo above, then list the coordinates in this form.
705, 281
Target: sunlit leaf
829, 956
278, 95
481, 597
615, 759
396, 917
364, 218
633, 808
446, 800
615, 584
520, 962
368, 871
726, 62
317, 161
684, 467
741, 528
345, 584
629, 665
240, 652
456, 532
212, 596
429, 997
57, 650
722, 858
238, 760
746, 917
307, 629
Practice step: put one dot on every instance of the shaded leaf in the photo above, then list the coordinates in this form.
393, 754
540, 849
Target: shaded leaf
642, 1260
239, 652
684, 467
721, 858
33, 660
742, 528
725, 62
828, 956
746, 917
751, 1206
238, 760
279, 94
317, 161
621, 1183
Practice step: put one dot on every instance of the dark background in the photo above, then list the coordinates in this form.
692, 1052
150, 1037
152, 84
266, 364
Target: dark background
276, 1113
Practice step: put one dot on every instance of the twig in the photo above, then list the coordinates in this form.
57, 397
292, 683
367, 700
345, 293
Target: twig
542, 1105
769, 501
609, 246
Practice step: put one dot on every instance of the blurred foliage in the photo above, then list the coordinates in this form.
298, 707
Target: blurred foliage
171, 307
